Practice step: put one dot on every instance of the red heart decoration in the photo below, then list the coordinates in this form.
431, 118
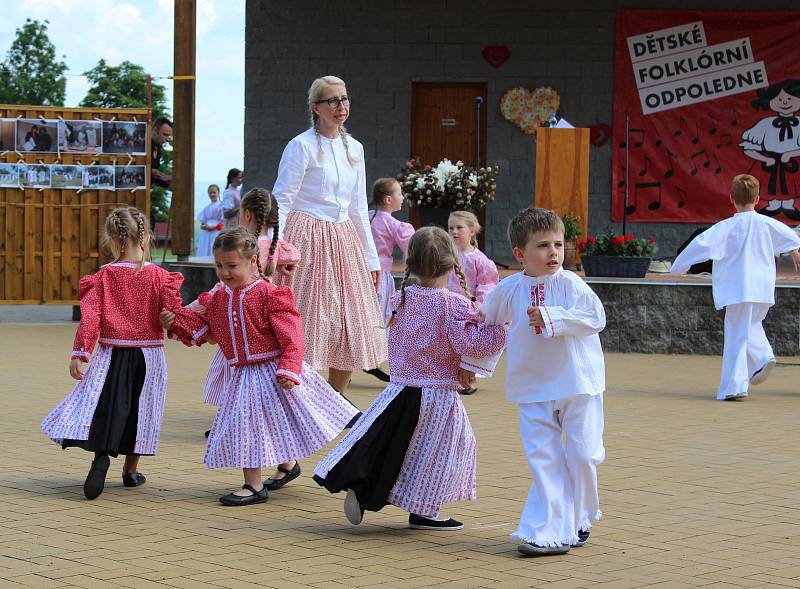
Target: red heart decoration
496, 55
599, 134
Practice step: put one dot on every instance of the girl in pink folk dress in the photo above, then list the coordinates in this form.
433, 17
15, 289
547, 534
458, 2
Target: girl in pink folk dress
480, 271
414, 447
117, 404
274, 409
387, 232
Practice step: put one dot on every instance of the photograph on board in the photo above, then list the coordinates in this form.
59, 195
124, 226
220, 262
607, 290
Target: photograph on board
124, 137
37, 135
129, 177
34, 175
80, 136
9, 176
98, 177
65, 176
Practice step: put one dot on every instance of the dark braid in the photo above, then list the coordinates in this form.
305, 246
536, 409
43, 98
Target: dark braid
125, 227
402, 296
270, 269
462, 279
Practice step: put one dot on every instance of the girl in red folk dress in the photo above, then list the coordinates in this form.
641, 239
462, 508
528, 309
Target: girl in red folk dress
414, 447
275, 409
117, 404
259, 214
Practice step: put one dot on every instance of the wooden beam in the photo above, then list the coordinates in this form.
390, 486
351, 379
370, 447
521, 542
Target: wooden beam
183, 131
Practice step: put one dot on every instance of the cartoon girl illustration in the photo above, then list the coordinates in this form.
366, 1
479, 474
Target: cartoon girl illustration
774, 141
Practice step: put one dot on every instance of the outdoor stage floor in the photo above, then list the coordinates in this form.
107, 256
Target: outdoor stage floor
695, 493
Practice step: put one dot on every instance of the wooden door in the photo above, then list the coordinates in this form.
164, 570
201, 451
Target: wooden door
444, 125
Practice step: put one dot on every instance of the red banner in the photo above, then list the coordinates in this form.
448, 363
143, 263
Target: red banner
705, 96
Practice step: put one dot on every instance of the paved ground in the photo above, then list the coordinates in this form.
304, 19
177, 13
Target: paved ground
695, 493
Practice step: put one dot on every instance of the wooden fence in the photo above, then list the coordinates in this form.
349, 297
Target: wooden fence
49, 237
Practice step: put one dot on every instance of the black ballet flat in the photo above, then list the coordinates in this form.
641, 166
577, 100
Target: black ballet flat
379, 374
208, 431
232, 500
96, 479
468, 391
133, 479
291, 474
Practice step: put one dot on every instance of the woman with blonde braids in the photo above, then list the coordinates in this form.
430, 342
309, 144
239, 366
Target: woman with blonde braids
414, 447
322, 193
117, 404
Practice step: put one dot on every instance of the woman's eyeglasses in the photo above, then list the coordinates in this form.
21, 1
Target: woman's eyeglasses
335, 102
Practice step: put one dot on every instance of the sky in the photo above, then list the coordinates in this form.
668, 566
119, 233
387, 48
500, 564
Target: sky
141, 31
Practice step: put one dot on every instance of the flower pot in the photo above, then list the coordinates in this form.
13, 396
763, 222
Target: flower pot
570, 251
618, 266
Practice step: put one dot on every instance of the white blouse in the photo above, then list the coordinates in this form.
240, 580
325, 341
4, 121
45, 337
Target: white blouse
561, 360
328, 188
743, 250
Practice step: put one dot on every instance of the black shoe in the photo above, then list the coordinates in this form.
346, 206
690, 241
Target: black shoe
533, 549
208, 431
583, 538
417, 522
469, 391
96, 479
290, 475
352, 422
238, 501
133, 479
379, 374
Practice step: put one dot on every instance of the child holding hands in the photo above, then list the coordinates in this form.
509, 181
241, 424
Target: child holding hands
275, 409
556, 375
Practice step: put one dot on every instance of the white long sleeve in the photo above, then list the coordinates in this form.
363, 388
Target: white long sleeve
566, 358
743, 250
316, 177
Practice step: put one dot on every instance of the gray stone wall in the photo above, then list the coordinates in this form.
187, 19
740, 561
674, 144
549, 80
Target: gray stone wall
380, 47
655, 318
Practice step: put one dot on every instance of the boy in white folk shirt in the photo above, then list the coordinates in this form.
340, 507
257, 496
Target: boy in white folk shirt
743, 250
556, 374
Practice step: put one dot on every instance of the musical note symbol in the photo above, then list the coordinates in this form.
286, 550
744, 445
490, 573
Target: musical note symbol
634, 133
644, 187
621, 183
719, 165
658, 140
706, 163
713, 128
726, 139
696, 138
681, 123
682, 195
734, 118
643, 171
671, 172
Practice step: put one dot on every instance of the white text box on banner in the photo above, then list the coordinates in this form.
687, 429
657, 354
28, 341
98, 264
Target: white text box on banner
667, 41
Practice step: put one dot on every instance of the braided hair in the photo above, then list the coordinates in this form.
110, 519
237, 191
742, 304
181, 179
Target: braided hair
241, 240
314, 94
124, 228
263, 205
431, 253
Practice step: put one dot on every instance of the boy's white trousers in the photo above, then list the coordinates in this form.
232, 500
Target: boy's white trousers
745, 349
563, 497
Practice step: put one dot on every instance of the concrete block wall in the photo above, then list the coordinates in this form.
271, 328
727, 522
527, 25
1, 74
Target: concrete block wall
380, 47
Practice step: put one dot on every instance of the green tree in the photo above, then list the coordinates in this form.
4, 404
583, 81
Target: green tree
125, 86
32, 73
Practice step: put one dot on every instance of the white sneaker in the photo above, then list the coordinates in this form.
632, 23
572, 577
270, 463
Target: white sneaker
352, 508
762, 373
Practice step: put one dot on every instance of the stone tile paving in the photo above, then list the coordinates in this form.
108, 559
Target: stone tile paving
695, 493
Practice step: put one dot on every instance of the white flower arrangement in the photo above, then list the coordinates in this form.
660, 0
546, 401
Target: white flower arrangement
449, 185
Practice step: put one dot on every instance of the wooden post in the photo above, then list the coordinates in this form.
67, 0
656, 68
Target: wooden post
183, 117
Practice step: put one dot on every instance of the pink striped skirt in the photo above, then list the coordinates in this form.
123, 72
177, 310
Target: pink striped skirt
343, 326
217, 377
260, 424
71, 419
440, 464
